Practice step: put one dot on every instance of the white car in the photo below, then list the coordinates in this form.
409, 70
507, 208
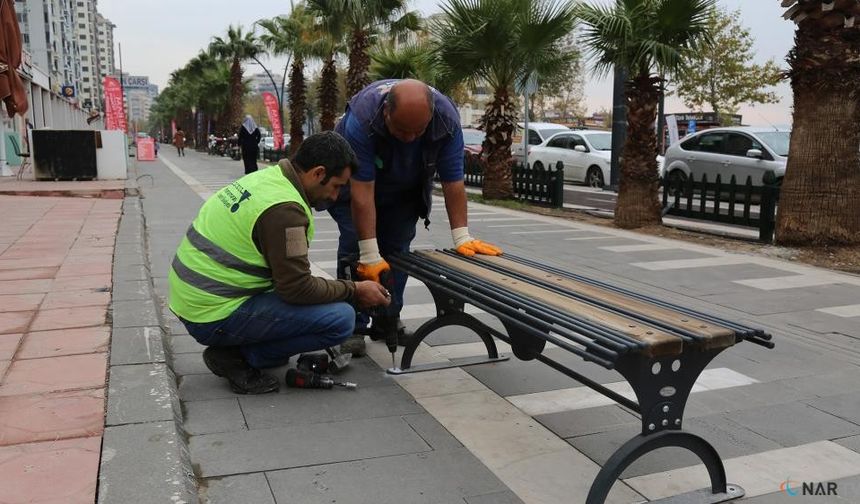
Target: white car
539, 132
586, 156
740, 152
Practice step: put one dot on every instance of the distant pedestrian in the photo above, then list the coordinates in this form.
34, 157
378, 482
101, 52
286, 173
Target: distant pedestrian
249, 142
155, 143
179, 141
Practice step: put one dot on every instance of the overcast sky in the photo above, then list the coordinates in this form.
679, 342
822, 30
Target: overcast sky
165, 34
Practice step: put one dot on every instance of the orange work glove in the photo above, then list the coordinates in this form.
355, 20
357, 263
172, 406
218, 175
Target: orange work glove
468, 246
372, 271
370, 263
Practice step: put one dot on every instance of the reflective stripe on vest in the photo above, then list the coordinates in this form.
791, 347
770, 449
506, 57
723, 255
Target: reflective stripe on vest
223, 257
209, 285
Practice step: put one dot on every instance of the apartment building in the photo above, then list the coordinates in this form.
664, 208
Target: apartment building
72, 43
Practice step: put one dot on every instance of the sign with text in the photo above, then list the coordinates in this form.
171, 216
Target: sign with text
114, 106
146, 149
275, 118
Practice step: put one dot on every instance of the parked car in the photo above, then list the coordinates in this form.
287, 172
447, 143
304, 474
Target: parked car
473, 140
739, 151
586, 156
538, 133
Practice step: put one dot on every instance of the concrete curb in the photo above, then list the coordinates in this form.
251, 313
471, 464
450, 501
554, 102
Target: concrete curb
145, 457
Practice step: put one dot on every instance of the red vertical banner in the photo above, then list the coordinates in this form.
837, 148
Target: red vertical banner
275, 118
114, 107
172, 129
146, 149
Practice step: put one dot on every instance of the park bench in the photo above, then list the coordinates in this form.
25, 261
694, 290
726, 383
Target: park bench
659, 348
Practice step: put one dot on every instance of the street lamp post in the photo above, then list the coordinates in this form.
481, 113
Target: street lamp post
279, 95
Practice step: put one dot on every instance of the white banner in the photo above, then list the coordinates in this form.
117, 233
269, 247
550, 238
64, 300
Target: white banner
672, 125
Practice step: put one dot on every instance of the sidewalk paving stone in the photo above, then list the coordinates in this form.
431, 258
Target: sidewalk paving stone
586, 421
136, 345
140, 393
30, 273
15, 322
49, 417
845, 406
65, 342
189, 363
303, 445
75, 299
245, 488
69, 318
9, 345
211, 417
55, 471
506, 497
21, 302
52, 374
145, 464
305, 406
94, 282
138, 313
412, 478
794, 423
131, 290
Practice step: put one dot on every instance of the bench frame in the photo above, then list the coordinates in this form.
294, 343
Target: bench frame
661, 384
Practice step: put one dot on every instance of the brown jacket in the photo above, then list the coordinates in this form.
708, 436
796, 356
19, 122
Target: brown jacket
179, 139
12, 90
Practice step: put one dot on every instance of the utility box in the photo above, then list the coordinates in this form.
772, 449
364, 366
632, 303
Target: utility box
65, 154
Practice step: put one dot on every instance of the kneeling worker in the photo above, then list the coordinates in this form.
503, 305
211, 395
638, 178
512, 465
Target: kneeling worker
241, 281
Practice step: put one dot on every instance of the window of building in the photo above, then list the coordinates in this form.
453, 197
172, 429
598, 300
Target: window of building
81, 25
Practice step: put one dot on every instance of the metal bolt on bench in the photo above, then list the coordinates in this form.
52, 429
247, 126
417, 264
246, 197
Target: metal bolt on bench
658, 347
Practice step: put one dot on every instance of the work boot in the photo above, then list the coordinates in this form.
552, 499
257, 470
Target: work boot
354, 345
404, 336
228, 362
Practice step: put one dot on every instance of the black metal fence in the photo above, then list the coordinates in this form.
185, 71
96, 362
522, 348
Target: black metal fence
726, 202
538, 186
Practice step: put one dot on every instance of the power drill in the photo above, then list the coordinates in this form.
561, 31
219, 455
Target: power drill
385, 322
308, 379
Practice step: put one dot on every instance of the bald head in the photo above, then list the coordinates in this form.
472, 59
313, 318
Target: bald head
408, 109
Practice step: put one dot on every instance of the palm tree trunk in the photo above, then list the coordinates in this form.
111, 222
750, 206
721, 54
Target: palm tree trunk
297, 104
820, 193
237, 97
359, 63
499, 122
638, 204
328, 94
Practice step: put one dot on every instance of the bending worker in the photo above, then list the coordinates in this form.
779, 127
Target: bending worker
403, 133
241, 281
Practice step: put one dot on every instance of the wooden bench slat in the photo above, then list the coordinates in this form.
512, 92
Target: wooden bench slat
660, 343
714, 336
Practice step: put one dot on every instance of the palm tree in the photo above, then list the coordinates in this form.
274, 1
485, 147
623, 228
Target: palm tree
363, 19
821, 190
502, 43
293, 35
329, 30
648, 39
236, 47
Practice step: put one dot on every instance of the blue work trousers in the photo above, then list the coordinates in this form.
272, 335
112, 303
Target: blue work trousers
269, 331
395, 230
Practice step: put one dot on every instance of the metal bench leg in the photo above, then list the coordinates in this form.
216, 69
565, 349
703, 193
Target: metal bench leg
642, 444
449, 312
662, 386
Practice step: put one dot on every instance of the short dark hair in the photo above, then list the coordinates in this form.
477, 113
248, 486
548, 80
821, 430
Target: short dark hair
327, 149
391, 100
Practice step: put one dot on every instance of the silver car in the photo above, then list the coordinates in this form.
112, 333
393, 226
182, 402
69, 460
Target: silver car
740, 152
